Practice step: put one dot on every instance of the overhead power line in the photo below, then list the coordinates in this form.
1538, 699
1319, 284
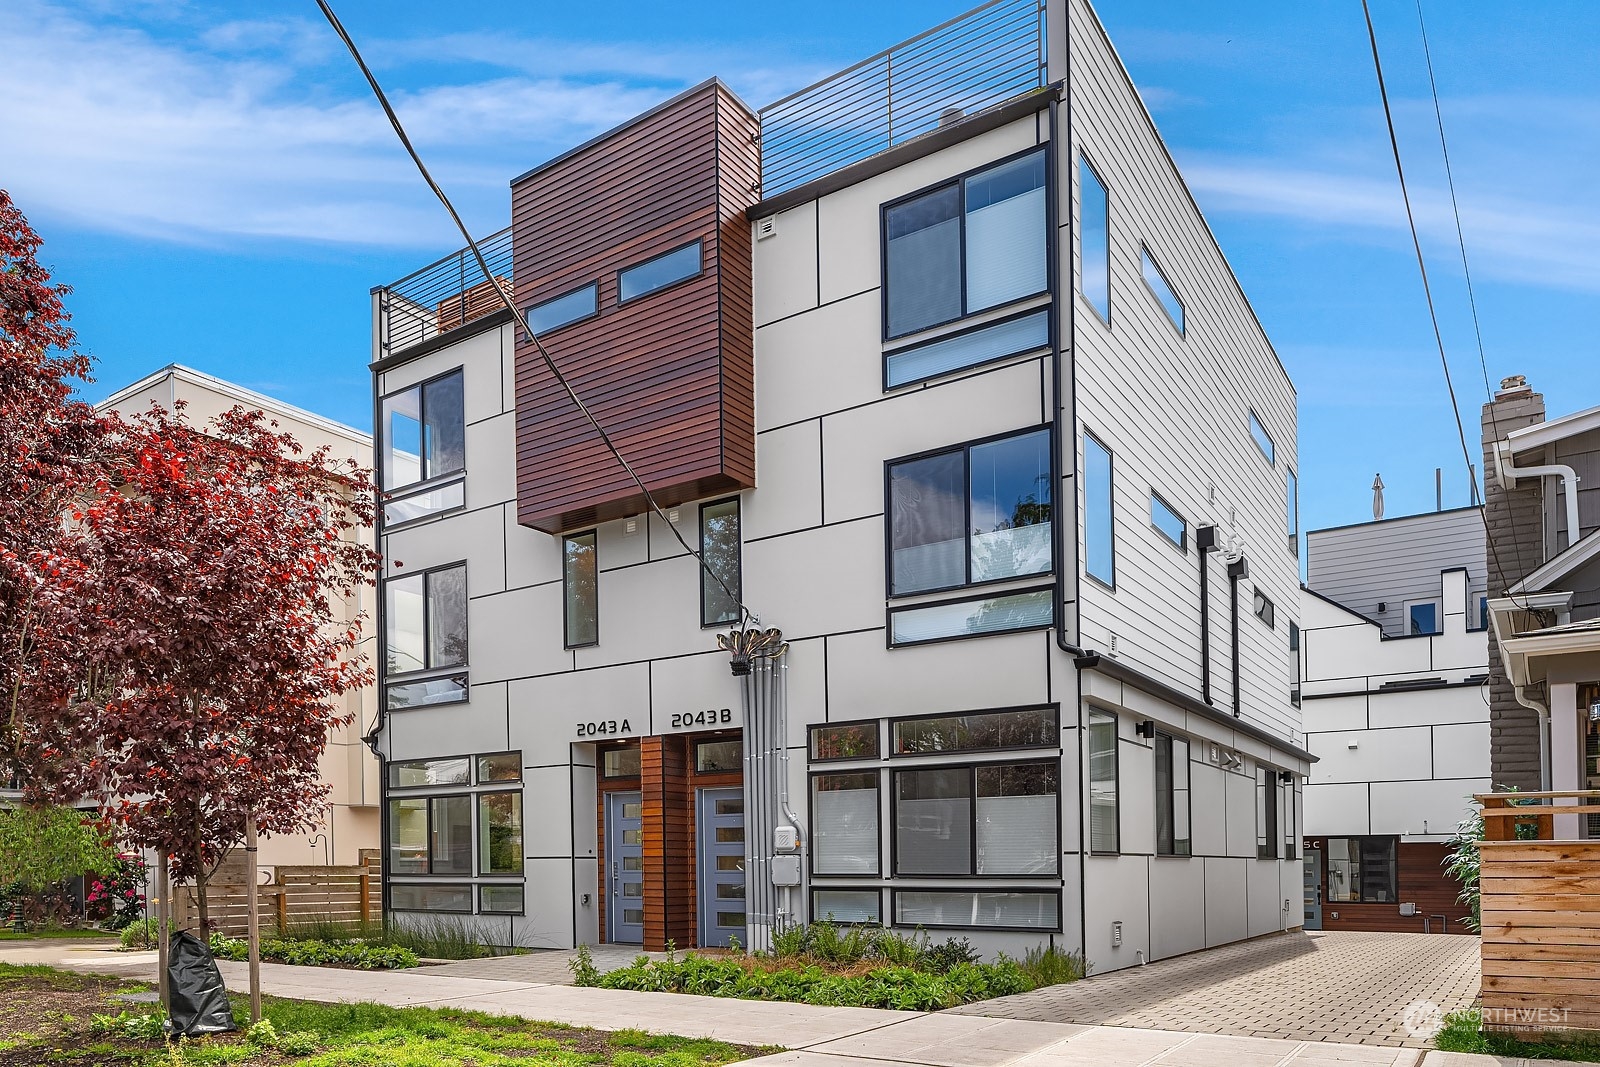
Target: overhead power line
745, 614
1422, 268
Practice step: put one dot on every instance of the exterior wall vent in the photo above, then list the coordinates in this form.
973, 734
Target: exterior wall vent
767, 227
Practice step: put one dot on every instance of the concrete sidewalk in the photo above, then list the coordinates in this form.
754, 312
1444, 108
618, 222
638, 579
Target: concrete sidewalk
815, 1036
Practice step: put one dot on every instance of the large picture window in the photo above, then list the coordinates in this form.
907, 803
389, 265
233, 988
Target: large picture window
456, 817
844, 814
975, 513
720, 550
976, 243
1362, 870
580, 586
1172, 796
991, 819
1104, 824
425, 619
424, 449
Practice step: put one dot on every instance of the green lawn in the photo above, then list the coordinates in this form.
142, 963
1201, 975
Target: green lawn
1461, 1033
7, 934
66, 1018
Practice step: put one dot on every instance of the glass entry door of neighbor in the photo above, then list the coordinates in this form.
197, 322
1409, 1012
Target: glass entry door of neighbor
720, 828
1313, 888
625, 863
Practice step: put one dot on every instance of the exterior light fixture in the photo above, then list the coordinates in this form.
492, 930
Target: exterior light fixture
1147, 728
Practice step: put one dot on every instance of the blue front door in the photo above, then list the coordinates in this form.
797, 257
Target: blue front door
720, 827
625, 878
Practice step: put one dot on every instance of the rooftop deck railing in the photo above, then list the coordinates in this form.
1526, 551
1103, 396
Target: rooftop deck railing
441, 296
986, 56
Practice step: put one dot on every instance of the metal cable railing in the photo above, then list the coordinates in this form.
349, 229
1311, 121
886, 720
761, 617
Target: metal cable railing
441, 296
990, 54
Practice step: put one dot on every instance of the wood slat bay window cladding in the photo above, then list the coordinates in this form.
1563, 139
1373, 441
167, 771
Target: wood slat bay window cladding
1541, 931
666, 367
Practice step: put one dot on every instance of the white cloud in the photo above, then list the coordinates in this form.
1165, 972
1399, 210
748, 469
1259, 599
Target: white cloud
261, 129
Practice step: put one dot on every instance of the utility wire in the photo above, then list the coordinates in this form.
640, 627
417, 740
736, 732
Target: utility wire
745, 614
1422, 268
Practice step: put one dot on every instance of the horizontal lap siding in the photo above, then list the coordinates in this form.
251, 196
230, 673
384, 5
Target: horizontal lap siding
1174, 412
1541, 932
669, 374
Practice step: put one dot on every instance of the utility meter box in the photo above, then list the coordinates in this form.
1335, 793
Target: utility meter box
785, 870
1408, 909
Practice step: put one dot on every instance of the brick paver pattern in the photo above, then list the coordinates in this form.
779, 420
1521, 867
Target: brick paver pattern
1324, 986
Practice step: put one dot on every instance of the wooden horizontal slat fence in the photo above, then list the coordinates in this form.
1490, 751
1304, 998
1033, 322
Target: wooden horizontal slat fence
1541, 934
296, 896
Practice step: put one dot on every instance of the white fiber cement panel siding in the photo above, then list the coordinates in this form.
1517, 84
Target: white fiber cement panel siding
1174, 410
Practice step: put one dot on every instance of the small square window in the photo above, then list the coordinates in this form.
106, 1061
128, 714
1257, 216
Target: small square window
620, 762
1422, 618
1166, 519
718, 757
1264, 609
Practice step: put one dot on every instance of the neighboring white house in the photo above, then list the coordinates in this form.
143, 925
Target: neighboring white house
971, 408
1399, 721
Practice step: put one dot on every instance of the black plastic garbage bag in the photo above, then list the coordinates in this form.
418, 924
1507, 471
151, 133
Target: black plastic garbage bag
199, 1000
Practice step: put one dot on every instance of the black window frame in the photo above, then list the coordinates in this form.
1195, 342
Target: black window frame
1262, 607
429, 671
971, 767
1111, 506
897, 609
870, 725
1116, 780
817, 916
876, 772
1268, 836
1181, 324
600, 763
429, 794
1085, 163
894, 922
959, 181
472, 896
478, 859
736, 586
529, 311
968, 331
429, 482
1054, 711
965, 449
699, 271
1258, 430
1170, 800
473, 791
1393, 843
1182, 543
566, 588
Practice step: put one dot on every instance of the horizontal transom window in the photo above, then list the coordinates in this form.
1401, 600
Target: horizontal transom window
658, 273
564, 309
1030, 610
982, 909
976, 731
969, 348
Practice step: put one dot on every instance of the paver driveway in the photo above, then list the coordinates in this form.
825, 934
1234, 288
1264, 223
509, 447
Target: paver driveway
1322, 986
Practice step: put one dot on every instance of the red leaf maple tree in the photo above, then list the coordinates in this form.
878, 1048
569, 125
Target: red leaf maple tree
175, 641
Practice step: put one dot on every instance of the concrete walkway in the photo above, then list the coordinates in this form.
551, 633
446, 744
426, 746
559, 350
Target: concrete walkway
1323, 986
814, 1036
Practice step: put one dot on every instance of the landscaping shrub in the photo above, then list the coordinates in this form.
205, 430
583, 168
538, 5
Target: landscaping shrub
1048, 965
361, 955
143, 934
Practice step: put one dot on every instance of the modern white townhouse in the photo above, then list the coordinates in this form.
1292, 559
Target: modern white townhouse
992, 469
1394, 667
1542, 489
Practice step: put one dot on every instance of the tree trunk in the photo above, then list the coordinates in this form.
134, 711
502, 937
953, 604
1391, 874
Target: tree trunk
200, 880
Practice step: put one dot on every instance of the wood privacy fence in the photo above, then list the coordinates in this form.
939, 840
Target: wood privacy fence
1541, 927
295, 896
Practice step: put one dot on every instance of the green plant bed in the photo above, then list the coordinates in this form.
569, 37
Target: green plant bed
356, 954
63, 1018
843, 966
1463, 1032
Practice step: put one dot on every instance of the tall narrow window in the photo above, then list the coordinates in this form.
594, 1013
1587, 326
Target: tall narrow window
978, 513
1104, 827
1290, 822
1172, 796
425, 629
500, 833
1157, 282
581, 589
720, 550
976, 243
1094, 240
1099, 522
1263, 439
1266, 812
423, 431
1292, 503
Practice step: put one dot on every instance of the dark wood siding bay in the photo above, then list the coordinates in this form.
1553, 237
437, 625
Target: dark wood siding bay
670, 375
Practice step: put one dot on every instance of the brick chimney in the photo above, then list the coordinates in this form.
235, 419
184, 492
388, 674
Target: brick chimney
1515, 548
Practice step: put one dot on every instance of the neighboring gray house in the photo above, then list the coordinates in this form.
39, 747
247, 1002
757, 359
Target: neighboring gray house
973, 410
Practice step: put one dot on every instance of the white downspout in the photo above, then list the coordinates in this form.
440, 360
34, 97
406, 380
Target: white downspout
1543, 711
1505, 463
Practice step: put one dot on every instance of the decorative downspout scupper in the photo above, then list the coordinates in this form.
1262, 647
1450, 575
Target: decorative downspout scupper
746, 646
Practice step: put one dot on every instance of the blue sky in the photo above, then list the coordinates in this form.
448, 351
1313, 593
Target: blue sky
219, 189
